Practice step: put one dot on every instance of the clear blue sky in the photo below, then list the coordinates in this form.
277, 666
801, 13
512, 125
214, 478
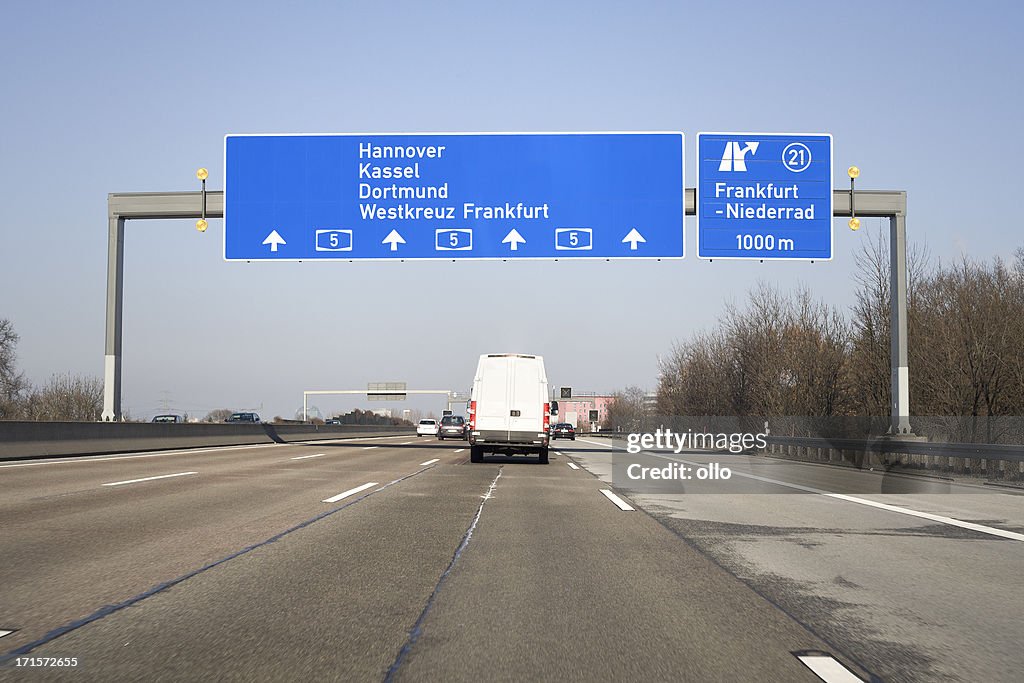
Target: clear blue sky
117, 97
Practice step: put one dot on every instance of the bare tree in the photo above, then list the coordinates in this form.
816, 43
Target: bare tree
1015, 361
628, 411
868, 368
218, 415
776, 355
815, 344
699, 377
66, 397
754, 339
12, 382
972, 318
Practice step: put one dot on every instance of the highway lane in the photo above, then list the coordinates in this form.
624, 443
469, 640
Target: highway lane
97, 545
332, 601
554, 582
913, 598
560, 584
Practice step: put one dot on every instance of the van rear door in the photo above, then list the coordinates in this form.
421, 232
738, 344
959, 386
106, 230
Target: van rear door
492, 400
526, 397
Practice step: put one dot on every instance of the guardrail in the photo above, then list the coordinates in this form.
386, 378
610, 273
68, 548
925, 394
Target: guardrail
899, 446
22, 440
989, 460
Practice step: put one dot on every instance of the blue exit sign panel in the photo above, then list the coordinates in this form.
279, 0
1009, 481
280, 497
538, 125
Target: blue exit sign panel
764, 196
453, 196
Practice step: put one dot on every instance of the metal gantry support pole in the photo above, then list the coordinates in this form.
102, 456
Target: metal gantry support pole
893, 206
115, 290
900, 396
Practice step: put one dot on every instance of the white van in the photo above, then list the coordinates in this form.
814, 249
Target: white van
509, 410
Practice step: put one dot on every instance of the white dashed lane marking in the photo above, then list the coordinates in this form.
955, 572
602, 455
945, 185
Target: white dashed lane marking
162, 476
621, 504
350, 492
429, 462
828, 668
315, 455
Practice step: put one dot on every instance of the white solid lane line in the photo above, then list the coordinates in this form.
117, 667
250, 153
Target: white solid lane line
621, 504
574, 465
143, 455
992, 531
460, 450
162, 476
429, 462
315, 455
5, 633
597, 443
829, 669
350, 492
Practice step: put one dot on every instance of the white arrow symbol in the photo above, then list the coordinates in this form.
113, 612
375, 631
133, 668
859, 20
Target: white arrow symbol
273, 239
633, 237
513, 240
394, 239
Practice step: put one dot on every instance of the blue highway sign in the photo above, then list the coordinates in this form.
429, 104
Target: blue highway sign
764, 196
453, 196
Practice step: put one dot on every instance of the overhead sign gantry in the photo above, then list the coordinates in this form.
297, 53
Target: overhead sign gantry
642, 173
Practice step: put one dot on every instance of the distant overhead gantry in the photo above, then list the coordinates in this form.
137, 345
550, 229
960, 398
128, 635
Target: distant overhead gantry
378, 389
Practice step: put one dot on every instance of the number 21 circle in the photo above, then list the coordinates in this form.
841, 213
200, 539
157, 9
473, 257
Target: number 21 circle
796, 157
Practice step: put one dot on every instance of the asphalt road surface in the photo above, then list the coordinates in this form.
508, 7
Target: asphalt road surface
394, 558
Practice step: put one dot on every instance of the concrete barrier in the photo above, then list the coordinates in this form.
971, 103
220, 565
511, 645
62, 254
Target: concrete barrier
21, 440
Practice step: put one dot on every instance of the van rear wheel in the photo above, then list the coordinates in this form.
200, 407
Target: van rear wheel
476, 454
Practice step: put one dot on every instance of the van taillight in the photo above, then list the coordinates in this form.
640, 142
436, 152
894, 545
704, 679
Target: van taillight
547, 417
472, 415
